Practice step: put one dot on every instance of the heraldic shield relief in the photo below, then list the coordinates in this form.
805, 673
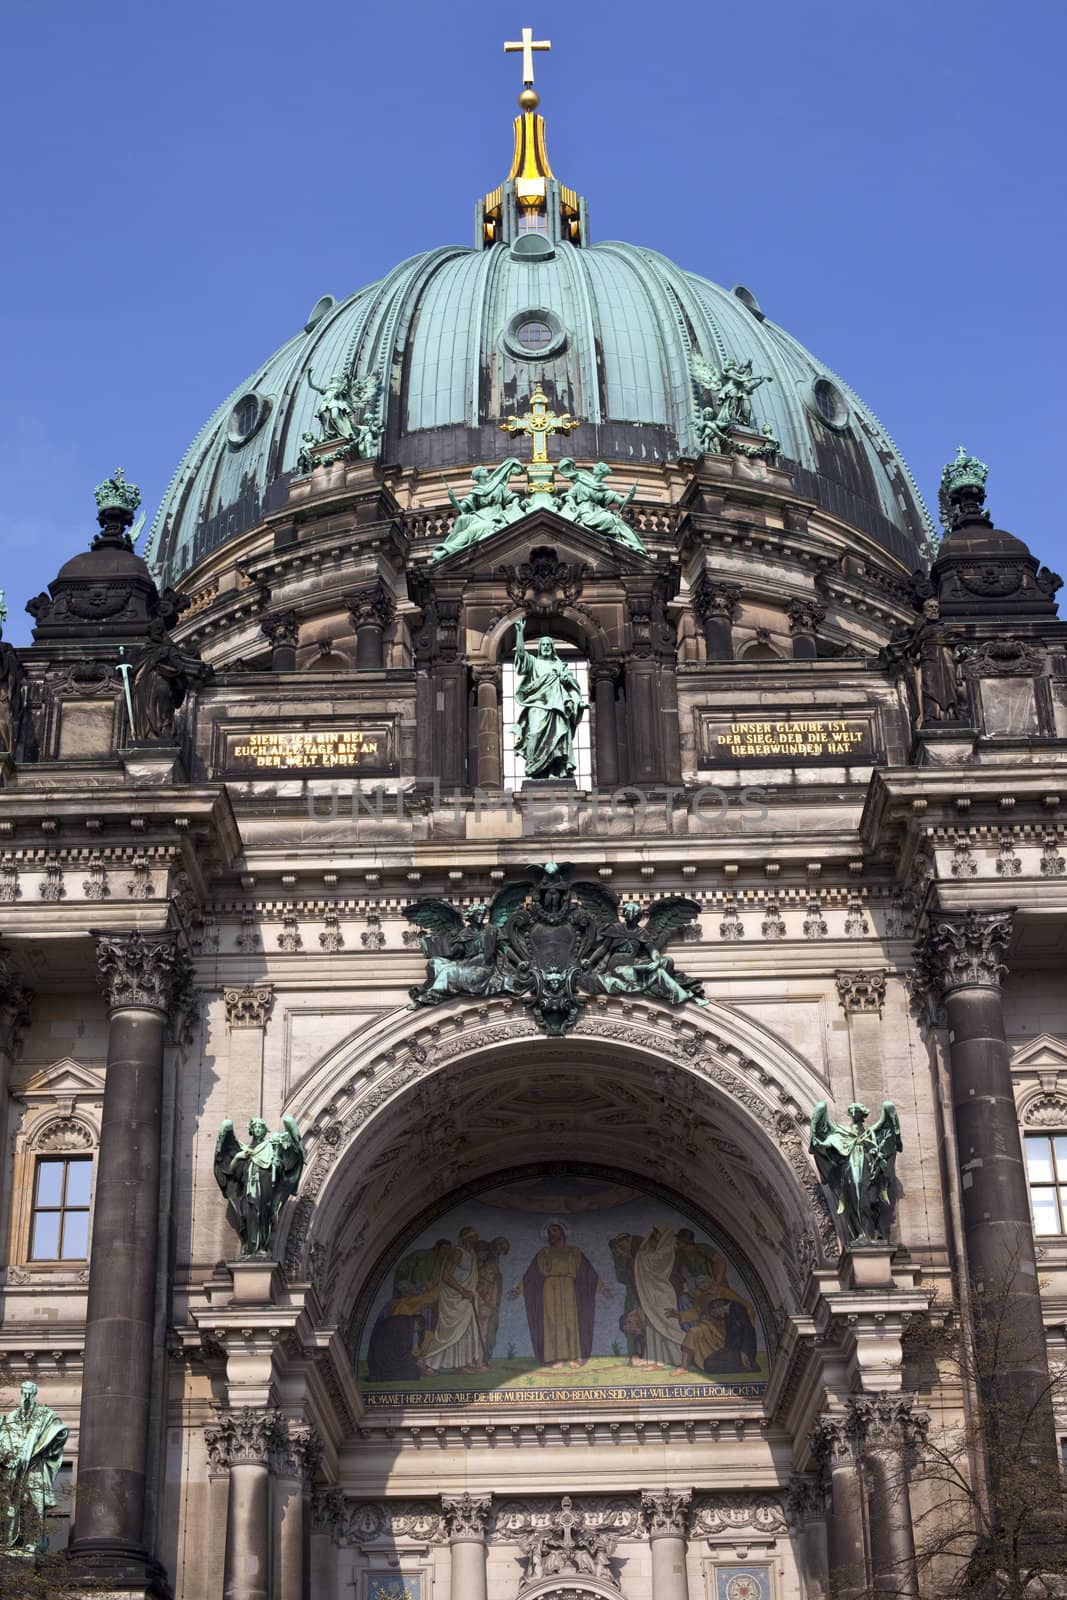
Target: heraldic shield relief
563, 1286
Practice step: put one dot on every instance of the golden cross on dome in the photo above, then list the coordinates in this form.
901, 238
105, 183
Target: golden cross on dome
538, 423
527, 44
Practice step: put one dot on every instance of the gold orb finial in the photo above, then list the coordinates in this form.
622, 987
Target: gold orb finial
529, 100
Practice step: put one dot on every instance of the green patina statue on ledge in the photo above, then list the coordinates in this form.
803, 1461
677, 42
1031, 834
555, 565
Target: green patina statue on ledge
857, 1164
548, 698
491, 505
32, 1439
589, 503
257, 1179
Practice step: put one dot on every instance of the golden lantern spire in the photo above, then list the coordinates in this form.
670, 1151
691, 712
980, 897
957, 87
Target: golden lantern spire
530, 200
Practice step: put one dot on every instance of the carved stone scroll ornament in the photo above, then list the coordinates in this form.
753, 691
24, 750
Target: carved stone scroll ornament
963, 950
466, 1515
544, 583
861, 991
666, 1512
142, 970
246, 1437
249, 1006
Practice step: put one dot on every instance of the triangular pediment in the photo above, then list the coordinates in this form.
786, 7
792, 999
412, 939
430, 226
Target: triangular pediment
63, 1078
513, 544
1043, 1054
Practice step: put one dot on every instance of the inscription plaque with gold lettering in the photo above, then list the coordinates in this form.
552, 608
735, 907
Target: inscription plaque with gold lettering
773, 739
337, 748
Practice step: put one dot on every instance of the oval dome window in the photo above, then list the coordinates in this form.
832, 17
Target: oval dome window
535, 333
829, 403
748, 300
247, 415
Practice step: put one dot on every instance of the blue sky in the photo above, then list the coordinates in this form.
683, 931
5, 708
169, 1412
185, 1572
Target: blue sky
183, 181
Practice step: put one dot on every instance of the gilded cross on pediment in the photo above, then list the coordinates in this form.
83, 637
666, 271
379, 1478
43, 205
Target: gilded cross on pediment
538, 423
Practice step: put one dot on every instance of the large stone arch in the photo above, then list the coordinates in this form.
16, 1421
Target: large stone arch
706, 1102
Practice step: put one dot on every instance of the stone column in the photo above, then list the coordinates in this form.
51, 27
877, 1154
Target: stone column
466, 1519
805, 1509
296, 1465
805, 617
490, 761
886, 1427
247, 1442
144, 978
833, 1444
14, 1015
962, 963
716, 605
371, 610
605, 676
283, 631
666, 1517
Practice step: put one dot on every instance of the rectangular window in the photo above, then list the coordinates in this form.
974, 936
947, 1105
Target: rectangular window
62, 1190
1046, 1171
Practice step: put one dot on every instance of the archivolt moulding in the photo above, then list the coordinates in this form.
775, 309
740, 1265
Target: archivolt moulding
751, 1070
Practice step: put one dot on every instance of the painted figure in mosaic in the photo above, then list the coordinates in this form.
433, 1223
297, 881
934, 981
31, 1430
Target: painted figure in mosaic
560, 1287
857, 1164
588, 501
32, 1439
456, 1342
158, 686
550, 706
491, 504
257, 1179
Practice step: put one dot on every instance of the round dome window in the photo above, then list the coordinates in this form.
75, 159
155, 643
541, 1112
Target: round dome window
829, 404
247, 415
535, 333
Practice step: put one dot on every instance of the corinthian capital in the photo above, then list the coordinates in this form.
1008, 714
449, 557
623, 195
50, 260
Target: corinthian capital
466, 1515
833, 1441
246, 1438
665, 1512
716, 599
14, 999
886, 1422
142, 970
963, 950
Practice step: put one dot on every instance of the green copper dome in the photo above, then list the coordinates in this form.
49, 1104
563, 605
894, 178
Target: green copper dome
459, 338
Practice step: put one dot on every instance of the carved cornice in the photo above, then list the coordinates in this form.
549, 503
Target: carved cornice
248, 1007
246, 1438
861, 991
466, 1516
665, 1512
143, 971
963, 950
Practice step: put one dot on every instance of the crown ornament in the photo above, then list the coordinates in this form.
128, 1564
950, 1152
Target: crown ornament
961, 495
115, 494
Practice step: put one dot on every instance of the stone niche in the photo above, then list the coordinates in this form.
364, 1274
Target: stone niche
1009, 707
86, 729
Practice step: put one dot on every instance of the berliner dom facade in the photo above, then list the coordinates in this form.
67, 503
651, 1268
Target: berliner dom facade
533, 1046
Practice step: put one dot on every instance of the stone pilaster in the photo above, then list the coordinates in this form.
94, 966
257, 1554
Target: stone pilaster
605, 679
886, 1429
716, 605
371, 609
489, 750
962, 963
805, 619
805, 1510
283, 631
466, 1518
14, 1016
296, 1463
665, 1513
833, 1444
247, 1443
144, 977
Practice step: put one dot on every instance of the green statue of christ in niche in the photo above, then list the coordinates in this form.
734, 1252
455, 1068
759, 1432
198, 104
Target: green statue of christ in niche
550, 706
